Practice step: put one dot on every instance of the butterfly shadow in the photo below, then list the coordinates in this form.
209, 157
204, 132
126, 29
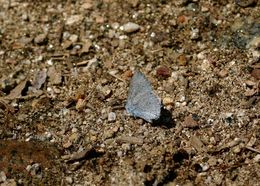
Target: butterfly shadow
165, 120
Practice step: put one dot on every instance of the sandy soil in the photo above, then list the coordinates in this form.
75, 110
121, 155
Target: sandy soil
65, 68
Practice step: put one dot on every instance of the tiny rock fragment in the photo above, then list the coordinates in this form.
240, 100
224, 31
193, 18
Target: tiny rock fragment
34, 169
85, 47
73, 38
130, 27
254, 44
92, 64
256, 73
90, 152
250, 83
250, 92
127, 74
223, 73
78, 156
67, 144
5, 106
87, 5
74, 137
9, 182
2, 176
163, 71
99, 19
195, 34
182, 19
69, 179
39, 79
67, 44
197, 144
134, 3
205, 65
190, 122
167, 101
22, 42
111, 116
55, 77
212, 161
236, 149
130, 139
249, 103
40, 39
74, 19
17, 91
232, 143
245, 3
80, 105
257, 158
251, 141
182, 60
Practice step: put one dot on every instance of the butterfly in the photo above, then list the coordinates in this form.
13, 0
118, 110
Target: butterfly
141, 100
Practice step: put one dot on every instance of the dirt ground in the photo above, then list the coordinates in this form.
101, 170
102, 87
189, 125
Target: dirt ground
65, 68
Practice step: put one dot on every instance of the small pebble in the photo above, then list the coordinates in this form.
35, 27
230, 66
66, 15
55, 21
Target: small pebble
212, 161
2, 176
190, 122
163, 71
245, 3
115, 25
256, 73
119, 153
254, 43
236, 149
257, 158
80, 104
205, 167
195, 34
9, 182
69, 180
167, 101
74, 136
130, 27
182, 60
73, 38
40, 39
201, 55
127, 74
205, 65
204, 9
181, 19
74, 19
223, 73
111, 116
25, 17
67, 144
87, 5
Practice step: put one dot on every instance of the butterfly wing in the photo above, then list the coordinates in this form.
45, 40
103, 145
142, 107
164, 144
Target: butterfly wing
139, 84
141, 101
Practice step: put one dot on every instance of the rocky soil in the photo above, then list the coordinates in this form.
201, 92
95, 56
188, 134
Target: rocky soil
65, 68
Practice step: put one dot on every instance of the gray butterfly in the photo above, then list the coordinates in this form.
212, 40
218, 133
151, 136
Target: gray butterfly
141, 100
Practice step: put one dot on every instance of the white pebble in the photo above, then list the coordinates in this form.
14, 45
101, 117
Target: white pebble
111, 116
194, 33
257, 158
2, 176
74, 19
130, 27
69, 180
